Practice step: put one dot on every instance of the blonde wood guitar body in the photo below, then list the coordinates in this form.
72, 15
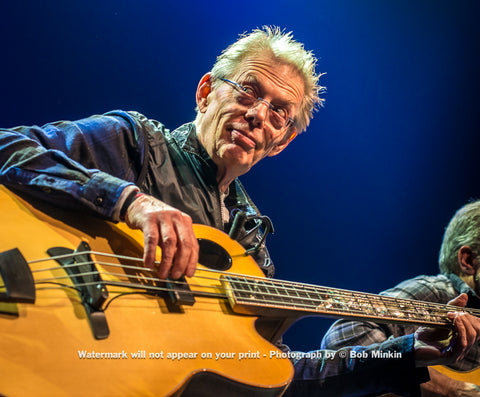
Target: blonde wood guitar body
151, 349
141, 341
442, 384
466, 376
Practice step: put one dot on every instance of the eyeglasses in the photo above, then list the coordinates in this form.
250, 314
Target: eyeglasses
278, 116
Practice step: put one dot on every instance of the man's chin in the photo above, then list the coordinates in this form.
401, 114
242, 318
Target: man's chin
238, 162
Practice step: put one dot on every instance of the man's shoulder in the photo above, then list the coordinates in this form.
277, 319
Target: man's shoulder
424, 287
439, 279
139, 120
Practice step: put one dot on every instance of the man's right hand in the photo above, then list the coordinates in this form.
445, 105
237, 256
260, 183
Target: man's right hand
447, 346
168, 228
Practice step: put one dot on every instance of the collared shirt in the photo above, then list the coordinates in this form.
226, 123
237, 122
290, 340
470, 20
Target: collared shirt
440, 289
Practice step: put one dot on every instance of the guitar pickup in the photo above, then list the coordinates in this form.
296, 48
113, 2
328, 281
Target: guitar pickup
179, 292
88, 282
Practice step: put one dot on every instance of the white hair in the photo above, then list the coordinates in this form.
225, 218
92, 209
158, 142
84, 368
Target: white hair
463, 229
273, 42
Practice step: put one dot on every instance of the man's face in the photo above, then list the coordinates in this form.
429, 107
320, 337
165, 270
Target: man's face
236, 136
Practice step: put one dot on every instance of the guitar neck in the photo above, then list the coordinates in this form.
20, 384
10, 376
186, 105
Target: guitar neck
266, 297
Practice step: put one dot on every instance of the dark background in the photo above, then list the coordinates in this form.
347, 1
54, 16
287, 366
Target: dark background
361, 199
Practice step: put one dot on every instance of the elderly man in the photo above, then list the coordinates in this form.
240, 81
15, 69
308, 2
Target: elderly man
122, 166
459, 263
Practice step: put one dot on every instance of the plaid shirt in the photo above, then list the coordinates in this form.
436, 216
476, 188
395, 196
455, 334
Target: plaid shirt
440, 289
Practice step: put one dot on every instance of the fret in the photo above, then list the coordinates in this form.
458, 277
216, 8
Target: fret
305, 297
272, 293
429, 312
359, 302
380, 307
311, 294
331, 301
290, 295
302, 296
278, 297
241, 288
263, 290
355, 304
402, 309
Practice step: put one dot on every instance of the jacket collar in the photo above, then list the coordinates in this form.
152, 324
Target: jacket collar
187, 140
463, 288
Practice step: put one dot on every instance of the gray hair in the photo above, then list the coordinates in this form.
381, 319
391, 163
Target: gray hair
281, 46
463, 229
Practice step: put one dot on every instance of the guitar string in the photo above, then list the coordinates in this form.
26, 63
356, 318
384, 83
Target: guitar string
293, 285
129, 284
443, 308
338, 314
273, 303
149, 288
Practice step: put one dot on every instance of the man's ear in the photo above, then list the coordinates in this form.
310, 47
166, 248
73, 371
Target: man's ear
465, 260
283, 143
204, 88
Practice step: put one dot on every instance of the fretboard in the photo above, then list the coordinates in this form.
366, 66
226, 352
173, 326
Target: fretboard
261, 296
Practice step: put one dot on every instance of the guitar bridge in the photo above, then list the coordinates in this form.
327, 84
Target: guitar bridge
17, 278
88, 282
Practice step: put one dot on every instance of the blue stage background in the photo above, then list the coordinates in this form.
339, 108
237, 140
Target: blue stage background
361, 199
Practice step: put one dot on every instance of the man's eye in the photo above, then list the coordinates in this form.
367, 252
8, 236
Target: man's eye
280, 111
249, 91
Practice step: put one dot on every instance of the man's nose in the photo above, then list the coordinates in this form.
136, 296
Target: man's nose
258, 113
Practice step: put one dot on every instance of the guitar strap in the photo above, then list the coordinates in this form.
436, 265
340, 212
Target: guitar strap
263, 226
